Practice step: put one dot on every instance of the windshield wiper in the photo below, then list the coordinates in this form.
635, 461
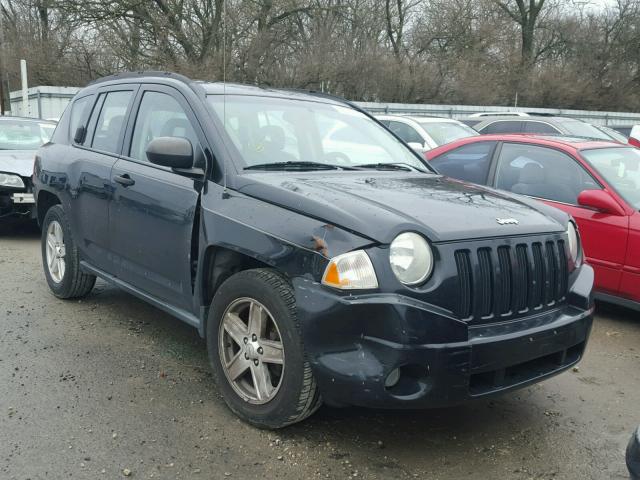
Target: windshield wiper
392, 166
297, 166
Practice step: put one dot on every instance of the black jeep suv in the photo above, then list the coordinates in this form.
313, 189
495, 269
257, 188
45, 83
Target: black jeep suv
320, 257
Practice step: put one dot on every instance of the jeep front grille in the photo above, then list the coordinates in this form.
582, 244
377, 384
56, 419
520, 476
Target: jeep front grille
507, 280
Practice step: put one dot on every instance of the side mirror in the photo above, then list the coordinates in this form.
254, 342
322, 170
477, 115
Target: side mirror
174, 152
634, 136
78, 136
601, 201
417, 147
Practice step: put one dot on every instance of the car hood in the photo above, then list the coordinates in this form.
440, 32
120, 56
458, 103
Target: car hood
379, 205
19, 162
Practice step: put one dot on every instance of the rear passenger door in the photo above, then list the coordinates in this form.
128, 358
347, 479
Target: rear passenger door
91, 159
153, 209
557, 178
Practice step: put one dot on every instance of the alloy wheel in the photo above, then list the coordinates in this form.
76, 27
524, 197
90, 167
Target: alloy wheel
251, 350
56, 252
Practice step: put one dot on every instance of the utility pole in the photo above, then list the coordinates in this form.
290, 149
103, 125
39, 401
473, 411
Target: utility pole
25, 88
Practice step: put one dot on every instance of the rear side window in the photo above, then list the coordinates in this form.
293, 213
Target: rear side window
469, 163
505, 126
111, 121
542, 172
79, 111
540, 127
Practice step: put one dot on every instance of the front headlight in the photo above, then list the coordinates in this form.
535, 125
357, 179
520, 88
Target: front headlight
12, 181
574, 242
351, 271
411, 258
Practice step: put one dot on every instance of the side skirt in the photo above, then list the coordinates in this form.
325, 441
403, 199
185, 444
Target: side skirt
623, 302
179, 313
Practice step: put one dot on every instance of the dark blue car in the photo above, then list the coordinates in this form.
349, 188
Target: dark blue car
320, 257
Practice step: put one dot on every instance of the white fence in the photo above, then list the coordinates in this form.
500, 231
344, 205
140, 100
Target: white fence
44, 102
50, 102
459, 111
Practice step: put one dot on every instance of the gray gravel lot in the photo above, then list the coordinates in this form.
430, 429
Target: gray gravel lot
90, 388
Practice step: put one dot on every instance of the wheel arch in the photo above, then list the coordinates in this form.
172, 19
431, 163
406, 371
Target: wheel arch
218, 264
45, 201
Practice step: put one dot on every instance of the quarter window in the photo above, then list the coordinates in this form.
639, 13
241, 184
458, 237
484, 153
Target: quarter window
159, 115
111, 121
469, 162
542, 172
79, 111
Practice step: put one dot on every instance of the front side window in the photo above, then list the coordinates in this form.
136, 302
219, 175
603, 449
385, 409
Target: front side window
267, 130
542, 172
159, 115
505, 126
111, 121
620, 167
447, 132
469, 163
24, 134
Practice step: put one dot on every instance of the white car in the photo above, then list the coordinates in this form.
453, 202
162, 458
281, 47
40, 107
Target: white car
425, 133
19, 140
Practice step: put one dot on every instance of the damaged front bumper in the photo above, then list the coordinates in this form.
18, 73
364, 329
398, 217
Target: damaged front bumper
17, 202
390, 351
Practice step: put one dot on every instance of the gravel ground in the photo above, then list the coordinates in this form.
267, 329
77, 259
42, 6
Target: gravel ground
109, 386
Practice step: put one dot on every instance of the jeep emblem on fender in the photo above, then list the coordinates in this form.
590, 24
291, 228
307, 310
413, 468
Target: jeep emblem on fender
507, 221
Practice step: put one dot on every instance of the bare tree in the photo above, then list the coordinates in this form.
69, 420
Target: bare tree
525, 13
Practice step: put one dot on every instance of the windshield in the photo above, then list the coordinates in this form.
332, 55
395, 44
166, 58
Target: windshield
24, 134
617, 136
585, 130
446, 132
269, 130
621, 169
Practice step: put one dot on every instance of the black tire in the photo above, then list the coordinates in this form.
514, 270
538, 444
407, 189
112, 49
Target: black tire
297, 396
74, 282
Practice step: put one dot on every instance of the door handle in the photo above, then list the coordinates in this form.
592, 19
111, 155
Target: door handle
124, 180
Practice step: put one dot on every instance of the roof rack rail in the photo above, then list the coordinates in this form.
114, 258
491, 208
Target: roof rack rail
140, 74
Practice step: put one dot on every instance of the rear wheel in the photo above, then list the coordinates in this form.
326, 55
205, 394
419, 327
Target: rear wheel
60, 257
256, 351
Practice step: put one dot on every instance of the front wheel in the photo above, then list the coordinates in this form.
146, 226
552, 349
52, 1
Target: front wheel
256, 351
60, 257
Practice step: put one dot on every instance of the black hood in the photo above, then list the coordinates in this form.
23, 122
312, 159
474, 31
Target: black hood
379, 205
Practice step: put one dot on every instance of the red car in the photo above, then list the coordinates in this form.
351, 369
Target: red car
595, 181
